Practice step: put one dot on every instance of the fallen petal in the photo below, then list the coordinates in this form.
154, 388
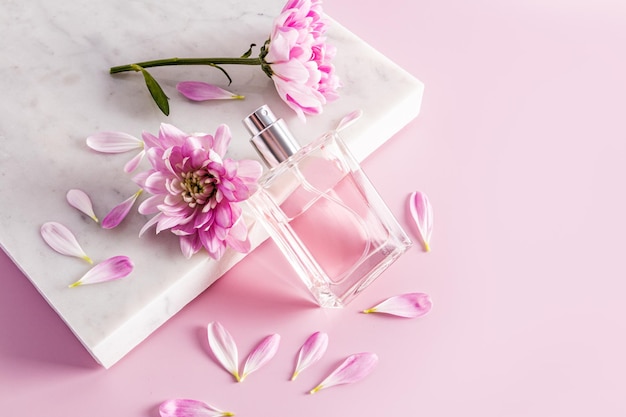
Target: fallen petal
81, 201
59, 238
113, 268
353, 369
422, 213
190, 408
113, 142
119, 212
349, 120
200, 91
223, 347
409, 305
312, 351
261, 355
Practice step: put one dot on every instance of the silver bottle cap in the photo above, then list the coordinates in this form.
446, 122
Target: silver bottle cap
270, 136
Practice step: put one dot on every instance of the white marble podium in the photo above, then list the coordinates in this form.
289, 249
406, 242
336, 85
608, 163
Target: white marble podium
56, 91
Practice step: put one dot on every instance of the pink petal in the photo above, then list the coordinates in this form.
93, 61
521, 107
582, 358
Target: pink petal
134, 162
249, 170
291, 70
353, 369
237, 237
119, 212
190, 408
224, 215
113, 268
170, 135
154, 220
312, 351
199, 91
422, 213
349, 119
222, 140
81, 201
113, 142
261, 355
223, 347
409, 305
241, 246
59, 238
190, 245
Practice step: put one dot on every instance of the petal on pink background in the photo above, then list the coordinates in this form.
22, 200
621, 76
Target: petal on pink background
311, 352
119, 212
422, 213
62, 240
190, 408
81, 201
113, 142
113, 268
261, 355
353, 369
200, 91
223, 347
409, 305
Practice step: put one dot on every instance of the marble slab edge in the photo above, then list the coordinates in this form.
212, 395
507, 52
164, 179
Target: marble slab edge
362, 138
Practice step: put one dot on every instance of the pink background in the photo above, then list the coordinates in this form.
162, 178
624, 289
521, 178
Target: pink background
521, 146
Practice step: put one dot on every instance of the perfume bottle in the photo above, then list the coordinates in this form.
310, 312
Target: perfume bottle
322, 211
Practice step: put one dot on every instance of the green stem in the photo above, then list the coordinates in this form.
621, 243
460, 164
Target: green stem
186, 61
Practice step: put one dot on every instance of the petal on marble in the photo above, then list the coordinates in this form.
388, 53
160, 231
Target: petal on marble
190, 408
113, 142
311, 351
62, 240
134, 162
422, 213
113, 268
349, 120
119, 212
261, 355
223, 347
81, 201
200, 91
353, 369
409, 305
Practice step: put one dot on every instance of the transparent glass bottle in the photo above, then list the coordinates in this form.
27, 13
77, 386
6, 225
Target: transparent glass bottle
322, 211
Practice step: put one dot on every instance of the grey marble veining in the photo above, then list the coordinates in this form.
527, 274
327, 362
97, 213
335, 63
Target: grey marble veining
57, 91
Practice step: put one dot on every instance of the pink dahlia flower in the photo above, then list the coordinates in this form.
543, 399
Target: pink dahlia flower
196, 190
299, 58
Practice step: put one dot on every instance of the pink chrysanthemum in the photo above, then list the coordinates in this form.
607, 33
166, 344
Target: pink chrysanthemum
299, 58
196, 190
296, 57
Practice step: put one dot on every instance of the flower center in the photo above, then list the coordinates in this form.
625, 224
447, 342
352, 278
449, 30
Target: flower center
198, 187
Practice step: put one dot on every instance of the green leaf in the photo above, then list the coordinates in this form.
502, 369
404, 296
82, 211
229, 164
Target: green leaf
157, 93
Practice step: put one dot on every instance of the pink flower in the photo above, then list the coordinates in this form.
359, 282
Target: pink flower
196, 190
299, 58
296, 57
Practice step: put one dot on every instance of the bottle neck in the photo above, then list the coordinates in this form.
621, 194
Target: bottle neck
271, 137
